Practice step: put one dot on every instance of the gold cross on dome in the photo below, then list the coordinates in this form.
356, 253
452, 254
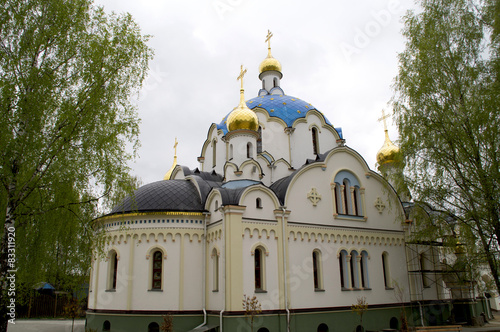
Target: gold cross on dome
384, 116
175, 147
268, 38
242, 73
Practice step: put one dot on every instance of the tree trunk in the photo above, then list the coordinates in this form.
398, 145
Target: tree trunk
5, 295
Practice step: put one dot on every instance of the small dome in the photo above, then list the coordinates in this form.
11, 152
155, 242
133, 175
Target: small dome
242, 118
269, 63
389, 152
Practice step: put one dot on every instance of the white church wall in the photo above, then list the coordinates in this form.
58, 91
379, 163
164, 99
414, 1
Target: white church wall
106, 297
251, 240
215, 296
193, 273
267, 205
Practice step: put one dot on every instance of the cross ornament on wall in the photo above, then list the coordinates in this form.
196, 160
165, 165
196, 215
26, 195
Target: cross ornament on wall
379, 205
314, 196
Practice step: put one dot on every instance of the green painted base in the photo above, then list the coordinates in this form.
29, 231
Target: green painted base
346, 320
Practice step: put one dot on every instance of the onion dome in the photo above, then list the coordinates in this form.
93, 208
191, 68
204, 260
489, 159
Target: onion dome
269, 63
389, 152
242, 117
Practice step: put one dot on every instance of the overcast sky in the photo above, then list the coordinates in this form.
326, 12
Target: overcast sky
338, 55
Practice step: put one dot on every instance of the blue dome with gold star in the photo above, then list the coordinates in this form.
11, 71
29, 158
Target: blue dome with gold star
286, 108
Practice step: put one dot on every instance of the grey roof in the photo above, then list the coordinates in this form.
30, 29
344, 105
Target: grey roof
166, 195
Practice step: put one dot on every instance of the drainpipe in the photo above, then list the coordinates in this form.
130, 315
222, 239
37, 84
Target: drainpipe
221, 209
283, 209
204, 271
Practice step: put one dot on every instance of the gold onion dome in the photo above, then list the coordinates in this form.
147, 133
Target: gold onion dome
269, 63
242, 117
389, 152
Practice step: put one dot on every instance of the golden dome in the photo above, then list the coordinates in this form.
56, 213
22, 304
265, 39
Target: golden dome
269, 64
389, 152
242, 117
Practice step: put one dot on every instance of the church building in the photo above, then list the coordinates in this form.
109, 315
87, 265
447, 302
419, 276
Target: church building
279, 209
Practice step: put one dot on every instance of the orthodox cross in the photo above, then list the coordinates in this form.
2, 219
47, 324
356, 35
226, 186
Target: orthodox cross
384, 116
240, 77
175, 147
268, 39
379, 205
314, 196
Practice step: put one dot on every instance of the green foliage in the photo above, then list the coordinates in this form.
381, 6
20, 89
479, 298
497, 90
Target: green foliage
67, 72
447, 110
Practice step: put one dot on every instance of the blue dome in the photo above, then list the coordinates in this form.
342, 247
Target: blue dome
287, 108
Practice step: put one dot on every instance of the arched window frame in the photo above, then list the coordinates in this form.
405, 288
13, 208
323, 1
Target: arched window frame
348, 197
249, 150
315, 140
258, 203
354, 267
259, 140
214, 152
113, 259
345, 281
106, 326
322, 328
259, 271
317, 270
423, 262
215, 269
365, 280
386, 270
152, 268
153, 327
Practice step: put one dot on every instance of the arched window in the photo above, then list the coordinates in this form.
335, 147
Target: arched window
214, 153
258, 203
338, 203
262, 329
259, 140
157, 270
216, 205
215, 257
153, 327
354, 269
315, 140
385, 268
275, 82
112, 270
230, 151
344, 270
346, 196
249, 150
322, 328
259, 269
365, 282
106, 326
317, 273
423, 267
394, 323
